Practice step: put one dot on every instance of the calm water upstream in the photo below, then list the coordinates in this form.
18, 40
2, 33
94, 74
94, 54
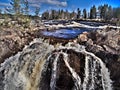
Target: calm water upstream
70, 33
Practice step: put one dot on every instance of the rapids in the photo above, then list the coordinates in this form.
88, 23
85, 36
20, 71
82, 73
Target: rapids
41, 66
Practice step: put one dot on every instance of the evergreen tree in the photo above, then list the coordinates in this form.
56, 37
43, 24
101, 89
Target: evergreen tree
109, 13
37, 10
73, 15
59, 14
78, 13
15, 7
84, 13
62, 14
18, 7
45, 15
103, 10
116, 12
66, 14
0, 11
26, 7
100, 11
53, 14
93, 13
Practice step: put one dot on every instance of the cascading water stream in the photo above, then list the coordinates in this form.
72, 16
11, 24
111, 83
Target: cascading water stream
86, 73
91, 73
90, 70
54, 73
75, 76
105, 75
24, 71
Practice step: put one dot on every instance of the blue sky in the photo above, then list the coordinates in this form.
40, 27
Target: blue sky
63, 4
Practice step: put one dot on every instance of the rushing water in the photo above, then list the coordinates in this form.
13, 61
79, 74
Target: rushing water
54, 73
68, 33
95, 24
74, 74
37, 67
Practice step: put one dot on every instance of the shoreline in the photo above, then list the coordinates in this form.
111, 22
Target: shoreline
104, 43
14, 40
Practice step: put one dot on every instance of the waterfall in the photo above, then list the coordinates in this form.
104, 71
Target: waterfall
74, 74
54, 73
91, 63
24, 71
105, 75
86, 73
92, 73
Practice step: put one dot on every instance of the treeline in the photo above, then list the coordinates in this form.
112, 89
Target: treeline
21, 8
105, 12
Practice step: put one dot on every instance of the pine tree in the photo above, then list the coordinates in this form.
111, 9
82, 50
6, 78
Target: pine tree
37, 10
53, 14
73, 15
18, 7
0, 11
59, 14
15, 7
45, 15
116, 12
100, 11
66, 14
62, 14
103, 10
26, 7
93, 13
84, 13
78, 13
109, 13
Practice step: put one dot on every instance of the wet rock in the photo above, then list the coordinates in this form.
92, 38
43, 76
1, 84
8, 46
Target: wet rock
24, 69
107, 37
12, 41
40, 66
90, 42
110, 49
113, 64
105, 44
82, 37
1, 80
64, 80
94, 48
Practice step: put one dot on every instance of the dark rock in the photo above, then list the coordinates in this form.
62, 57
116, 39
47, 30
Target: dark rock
107, 37
1, 80
105, 45
12, 41
64, 78
113, 65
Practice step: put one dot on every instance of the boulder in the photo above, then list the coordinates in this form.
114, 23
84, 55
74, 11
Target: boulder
12, 41
82, 38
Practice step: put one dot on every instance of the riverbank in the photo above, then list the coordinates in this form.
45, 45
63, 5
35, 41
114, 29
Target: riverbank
102, 45
13, 40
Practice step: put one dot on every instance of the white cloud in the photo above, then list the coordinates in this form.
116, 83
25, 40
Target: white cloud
4, 4
35, 5
51, 2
